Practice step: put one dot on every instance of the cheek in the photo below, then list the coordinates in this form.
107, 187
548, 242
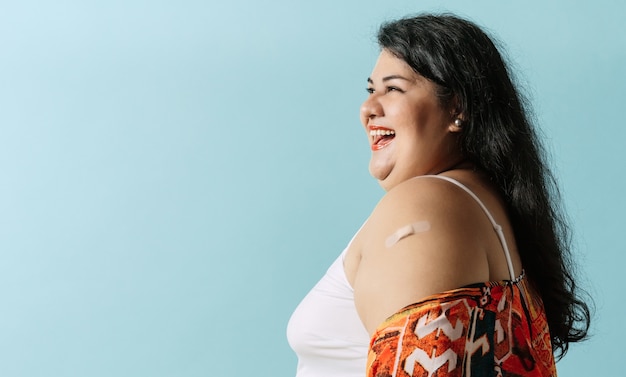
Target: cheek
408, 117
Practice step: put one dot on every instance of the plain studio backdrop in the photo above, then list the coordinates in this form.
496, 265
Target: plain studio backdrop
177, 175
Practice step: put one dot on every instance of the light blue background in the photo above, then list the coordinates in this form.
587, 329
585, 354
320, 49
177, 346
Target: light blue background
177, 175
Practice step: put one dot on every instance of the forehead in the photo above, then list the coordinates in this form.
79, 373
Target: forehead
388, 64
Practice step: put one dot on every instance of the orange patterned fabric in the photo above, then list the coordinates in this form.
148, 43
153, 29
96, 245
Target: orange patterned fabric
491, 329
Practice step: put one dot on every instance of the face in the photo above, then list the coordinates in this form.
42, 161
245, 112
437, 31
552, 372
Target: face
410, 133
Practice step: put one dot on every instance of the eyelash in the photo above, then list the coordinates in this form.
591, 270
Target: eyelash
389, 89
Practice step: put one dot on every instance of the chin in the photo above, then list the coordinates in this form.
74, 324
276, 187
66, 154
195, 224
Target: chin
379, 173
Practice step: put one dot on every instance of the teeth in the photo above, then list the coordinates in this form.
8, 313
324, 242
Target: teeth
382, 132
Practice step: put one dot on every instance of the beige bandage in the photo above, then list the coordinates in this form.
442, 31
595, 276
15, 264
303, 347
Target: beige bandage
407, 230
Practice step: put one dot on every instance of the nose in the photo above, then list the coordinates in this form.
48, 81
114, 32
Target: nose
370, 109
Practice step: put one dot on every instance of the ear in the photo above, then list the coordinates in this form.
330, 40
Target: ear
456, 116
457, 124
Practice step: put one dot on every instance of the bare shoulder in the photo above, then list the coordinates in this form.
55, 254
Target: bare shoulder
427, 193
441, 203
424, 237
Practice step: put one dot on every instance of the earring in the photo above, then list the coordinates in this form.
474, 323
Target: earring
458, 122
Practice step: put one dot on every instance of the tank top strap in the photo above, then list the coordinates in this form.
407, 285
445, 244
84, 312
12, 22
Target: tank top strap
495, 225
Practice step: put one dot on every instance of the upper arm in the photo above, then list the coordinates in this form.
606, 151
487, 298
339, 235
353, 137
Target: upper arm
448, 255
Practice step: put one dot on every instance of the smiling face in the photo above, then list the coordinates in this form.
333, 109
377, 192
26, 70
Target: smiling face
410, 133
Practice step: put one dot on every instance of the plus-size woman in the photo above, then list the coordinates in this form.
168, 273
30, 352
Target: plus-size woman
463, 266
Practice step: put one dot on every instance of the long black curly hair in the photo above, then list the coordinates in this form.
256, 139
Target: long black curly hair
498, 137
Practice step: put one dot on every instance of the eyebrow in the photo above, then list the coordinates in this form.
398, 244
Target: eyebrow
387, 78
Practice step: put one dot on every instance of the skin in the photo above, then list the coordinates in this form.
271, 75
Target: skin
461, 246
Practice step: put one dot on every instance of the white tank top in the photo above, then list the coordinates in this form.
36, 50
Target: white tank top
325, 330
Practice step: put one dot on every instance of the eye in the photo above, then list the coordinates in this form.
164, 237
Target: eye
394, 89
369, 90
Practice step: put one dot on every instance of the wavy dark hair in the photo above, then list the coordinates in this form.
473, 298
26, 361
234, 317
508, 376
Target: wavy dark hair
498, 137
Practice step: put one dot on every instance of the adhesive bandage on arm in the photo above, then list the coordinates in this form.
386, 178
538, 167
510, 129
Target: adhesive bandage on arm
407, 230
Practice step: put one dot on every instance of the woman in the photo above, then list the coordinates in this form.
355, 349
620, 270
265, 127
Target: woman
463, 266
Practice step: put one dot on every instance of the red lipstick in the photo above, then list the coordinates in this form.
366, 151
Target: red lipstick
380, 137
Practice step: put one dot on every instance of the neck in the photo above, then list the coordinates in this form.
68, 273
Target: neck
461, 163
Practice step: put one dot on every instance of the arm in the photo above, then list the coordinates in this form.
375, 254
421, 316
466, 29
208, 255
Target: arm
424, 237
450, 254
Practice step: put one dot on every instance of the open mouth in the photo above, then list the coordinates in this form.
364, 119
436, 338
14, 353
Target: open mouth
381, 137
